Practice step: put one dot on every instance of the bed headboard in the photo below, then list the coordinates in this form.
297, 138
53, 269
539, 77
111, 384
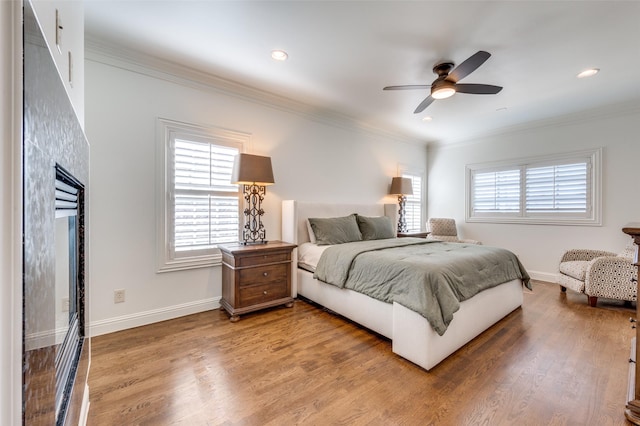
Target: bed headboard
294, 223
295, 215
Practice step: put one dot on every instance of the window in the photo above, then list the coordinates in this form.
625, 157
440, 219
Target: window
199, 207
413, 207
564, 189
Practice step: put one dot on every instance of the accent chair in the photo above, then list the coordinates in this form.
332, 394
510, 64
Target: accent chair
599, 273
444, 229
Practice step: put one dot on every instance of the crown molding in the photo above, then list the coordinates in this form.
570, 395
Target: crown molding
600, 113
96, 50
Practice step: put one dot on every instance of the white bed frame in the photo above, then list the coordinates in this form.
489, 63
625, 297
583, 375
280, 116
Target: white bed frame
411, 335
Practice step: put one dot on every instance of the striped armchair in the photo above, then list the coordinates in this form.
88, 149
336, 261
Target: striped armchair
443, 229
598, 273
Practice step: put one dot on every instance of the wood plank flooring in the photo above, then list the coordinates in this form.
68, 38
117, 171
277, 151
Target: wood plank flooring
556, 361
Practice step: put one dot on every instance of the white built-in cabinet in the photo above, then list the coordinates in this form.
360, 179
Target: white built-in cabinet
62, 23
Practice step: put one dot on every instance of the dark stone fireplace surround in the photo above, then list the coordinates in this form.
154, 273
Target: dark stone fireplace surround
52, 137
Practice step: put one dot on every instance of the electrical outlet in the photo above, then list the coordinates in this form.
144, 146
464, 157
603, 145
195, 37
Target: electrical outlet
118, 296
65, 304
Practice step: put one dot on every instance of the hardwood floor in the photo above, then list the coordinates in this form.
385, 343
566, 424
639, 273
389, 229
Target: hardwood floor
556, 361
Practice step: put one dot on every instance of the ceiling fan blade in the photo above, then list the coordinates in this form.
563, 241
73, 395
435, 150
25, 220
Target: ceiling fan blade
478, 89
468, 66
427, 101
407, 87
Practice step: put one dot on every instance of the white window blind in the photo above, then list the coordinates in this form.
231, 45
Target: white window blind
559, 188
564, 189
198, 207
206, 203
496, 191
413, 206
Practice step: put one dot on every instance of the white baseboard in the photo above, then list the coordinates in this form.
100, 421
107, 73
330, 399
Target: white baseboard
543, 276
111, 325
138, 319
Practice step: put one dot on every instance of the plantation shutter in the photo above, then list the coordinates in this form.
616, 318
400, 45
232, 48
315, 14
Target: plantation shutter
496, 191
206, 203
413, 206
558, 188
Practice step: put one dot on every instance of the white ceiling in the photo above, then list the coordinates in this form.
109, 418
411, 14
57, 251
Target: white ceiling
342, 53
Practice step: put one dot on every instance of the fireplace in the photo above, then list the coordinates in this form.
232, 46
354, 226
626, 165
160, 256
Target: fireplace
69, 237
54, 331
55, 268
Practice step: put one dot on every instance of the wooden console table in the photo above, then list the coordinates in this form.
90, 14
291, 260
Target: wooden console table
632, 411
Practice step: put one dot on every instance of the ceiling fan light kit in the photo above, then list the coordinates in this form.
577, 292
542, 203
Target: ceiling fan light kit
443, 89
446, 85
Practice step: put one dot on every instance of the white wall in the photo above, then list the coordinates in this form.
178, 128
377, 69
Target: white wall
541, 246
313, 160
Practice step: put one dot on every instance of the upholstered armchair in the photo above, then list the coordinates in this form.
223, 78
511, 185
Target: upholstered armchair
443, 229
598, 273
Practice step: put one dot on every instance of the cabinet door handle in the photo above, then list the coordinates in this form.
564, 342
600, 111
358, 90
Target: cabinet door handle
265, 274
264, 292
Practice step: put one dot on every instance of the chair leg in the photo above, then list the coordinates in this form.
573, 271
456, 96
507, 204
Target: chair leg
563, 289
592, 301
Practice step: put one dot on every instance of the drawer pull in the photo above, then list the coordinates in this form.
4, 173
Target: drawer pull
265, 274
264, 292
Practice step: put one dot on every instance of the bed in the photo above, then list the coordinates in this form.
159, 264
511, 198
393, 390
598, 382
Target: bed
412, 336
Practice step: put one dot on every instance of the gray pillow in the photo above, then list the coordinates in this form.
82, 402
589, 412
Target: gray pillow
335, 230
375, 228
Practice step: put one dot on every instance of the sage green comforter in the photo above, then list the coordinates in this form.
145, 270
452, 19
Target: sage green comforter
428, 277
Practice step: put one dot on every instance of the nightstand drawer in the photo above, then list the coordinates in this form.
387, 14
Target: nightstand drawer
263, 259
264, 274
257, 294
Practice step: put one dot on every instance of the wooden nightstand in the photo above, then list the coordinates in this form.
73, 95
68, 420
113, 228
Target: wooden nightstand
413, 234
255, 277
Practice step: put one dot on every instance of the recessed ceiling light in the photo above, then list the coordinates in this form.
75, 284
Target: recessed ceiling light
279, 55
588, 73
427, 119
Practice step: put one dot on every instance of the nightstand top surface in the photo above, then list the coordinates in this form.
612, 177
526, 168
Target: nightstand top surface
239, 247
632, 228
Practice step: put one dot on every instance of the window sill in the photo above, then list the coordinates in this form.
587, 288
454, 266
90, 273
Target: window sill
536, 221
190, 263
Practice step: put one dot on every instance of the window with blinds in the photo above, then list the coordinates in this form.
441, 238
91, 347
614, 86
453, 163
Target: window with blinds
560, 190
413, 206
200, 207
205, 202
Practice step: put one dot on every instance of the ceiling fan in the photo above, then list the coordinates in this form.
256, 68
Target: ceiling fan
447, 85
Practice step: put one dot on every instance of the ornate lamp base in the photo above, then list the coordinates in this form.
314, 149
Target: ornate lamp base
402, 222
254, 232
